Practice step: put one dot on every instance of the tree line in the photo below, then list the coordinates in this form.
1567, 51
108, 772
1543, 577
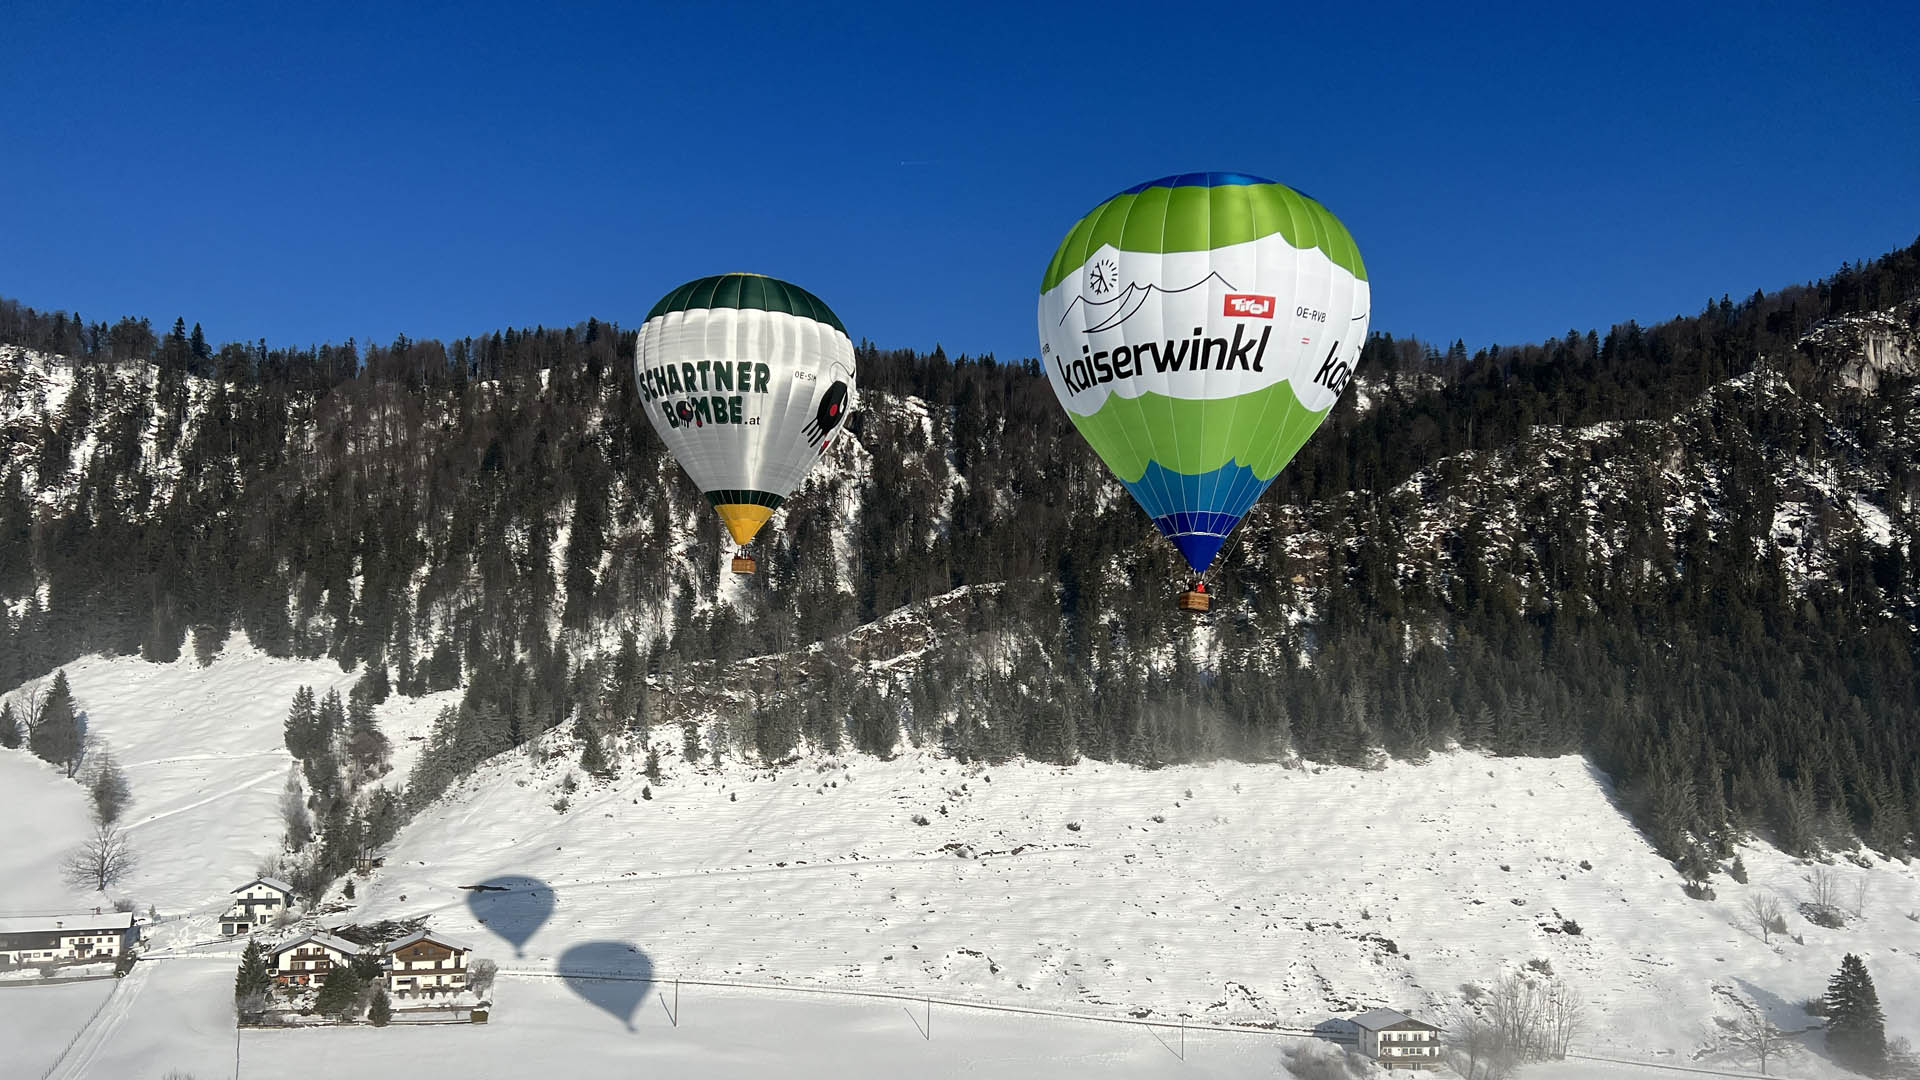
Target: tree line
1431, 570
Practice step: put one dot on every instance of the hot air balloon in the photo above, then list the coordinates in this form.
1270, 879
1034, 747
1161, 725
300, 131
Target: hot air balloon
747, 379
1197, 328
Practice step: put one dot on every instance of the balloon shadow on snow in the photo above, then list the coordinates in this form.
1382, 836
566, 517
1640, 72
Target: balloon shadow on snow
612, 975
512, 906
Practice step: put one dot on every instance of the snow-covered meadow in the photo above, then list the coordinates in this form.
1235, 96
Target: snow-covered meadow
1230, 894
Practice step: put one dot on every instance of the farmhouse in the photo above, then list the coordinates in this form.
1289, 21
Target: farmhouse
1397, 1040
305, 960
58, 939
255, 905
425, 964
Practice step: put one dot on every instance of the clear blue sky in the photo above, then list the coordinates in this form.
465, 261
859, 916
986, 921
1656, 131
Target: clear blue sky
305, 173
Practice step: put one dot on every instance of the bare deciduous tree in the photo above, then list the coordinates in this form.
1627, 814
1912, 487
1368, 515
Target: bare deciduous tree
1475, 1048
101, 862
1763, 914
1756, 1034
480, 975
1857, 897
1562, 1020
29, 705
1519, 1020
1823, 898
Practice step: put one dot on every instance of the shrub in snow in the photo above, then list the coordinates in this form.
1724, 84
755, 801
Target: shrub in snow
1317, 1060
920, 819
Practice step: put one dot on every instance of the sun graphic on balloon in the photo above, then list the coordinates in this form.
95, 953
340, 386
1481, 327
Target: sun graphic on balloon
1104, 276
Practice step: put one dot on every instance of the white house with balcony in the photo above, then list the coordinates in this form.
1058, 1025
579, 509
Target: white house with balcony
1397, 1040
306, 960
426, 964
256, 904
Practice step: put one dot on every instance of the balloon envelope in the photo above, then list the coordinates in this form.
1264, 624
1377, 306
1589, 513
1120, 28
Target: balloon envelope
747, 379
1198, 328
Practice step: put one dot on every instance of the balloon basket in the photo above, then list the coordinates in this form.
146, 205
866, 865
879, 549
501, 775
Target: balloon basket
1194, 600
744, 564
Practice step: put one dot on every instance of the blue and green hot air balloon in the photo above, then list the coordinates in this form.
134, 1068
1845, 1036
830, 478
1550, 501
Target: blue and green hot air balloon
1198, 328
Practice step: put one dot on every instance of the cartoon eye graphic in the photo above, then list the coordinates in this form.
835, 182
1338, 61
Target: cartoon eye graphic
1104, 276
685, 412
831, 411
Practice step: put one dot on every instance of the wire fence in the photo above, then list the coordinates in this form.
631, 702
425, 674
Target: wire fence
78, 1035
927, 1000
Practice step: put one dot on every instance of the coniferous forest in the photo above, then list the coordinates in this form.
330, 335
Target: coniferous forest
1684, 549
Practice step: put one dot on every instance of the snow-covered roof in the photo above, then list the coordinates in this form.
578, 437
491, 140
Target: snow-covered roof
427, 935
1381, 1019
66, 924
272, 883
319, 937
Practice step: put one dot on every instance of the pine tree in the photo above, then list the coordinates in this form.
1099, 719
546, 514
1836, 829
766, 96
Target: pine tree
338, 992
381, 1011
9, 727
302, 723
1856, 1031
56, 738
108, 788
593, 759
253, 983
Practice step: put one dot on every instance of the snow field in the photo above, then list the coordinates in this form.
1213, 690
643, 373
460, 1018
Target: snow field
37, 1021
205, 758
1261, 895
1266, 895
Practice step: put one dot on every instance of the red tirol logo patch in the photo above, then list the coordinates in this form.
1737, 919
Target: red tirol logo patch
1248, 306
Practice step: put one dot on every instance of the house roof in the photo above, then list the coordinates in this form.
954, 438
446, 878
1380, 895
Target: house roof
318, 937
1381, 1019
273, 883
117, 921
426, 935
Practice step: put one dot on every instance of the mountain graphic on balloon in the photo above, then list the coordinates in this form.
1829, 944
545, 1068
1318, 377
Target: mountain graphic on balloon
1130, 300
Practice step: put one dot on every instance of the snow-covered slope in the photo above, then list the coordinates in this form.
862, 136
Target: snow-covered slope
1238, 894
1235, 893
204, 755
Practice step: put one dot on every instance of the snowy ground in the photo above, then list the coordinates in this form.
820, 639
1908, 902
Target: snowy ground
37, 1021
203, 751
175, 1014
1260, 895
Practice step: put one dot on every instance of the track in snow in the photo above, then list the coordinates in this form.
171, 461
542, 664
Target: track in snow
87, 1044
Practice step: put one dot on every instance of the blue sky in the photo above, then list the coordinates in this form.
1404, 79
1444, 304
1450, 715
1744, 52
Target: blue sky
311, 173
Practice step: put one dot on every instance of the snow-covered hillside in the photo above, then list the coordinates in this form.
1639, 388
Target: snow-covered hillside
1238, 893
1231, 893
205, 759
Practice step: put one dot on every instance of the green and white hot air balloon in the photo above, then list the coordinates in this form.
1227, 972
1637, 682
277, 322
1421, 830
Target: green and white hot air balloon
1198, 328
747, 379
